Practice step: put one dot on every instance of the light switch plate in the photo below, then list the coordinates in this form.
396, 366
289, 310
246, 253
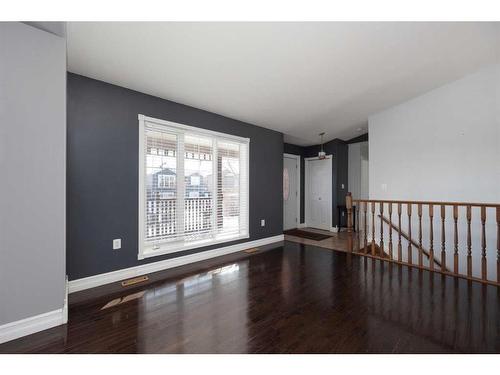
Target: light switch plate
262, 222
117, 243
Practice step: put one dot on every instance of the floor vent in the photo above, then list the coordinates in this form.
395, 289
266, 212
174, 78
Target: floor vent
135, 280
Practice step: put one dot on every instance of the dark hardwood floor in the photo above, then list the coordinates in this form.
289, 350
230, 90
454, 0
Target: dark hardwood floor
292, 299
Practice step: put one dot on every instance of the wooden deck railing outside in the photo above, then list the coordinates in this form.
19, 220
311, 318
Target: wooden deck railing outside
379, 223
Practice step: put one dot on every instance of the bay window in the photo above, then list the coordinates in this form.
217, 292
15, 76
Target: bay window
193, 187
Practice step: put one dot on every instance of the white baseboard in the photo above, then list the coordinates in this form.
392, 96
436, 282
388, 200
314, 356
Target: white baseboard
301, 225
33, 324
127, 273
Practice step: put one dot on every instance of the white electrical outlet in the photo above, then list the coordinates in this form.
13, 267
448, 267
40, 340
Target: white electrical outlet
117, 243
342, 186
262, 222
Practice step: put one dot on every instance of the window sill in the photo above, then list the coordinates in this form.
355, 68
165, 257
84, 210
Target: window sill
148, 252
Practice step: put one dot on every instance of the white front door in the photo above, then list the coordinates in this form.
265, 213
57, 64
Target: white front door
319, 193
290, 193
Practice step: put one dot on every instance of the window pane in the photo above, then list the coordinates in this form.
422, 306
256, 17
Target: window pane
161, 190
228, 189
199, 191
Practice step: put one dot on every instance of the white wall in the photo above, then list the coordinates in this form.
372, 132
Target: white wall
33, 172
443, 146
358, 173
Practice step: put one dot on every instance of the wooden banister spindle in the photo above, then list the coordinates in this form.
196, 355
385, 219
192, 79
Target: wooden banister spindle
443, 238
420, 251
400, 252
348, 204
469, 242
431, 237
381, 207
410, 255
498, 245
484, 266
357, 228
390, 230
373, 228
455, 255
365, 205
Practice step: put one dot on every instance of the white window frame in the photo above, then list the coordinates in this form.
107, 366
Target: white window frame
173, 247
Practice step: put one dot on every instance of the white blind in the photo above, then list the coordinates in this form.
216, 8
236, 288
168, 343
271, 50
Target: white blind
193, 188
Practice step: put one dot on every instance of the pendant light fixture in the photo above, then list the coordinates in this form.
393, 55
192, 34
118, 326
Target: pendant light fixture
321, 153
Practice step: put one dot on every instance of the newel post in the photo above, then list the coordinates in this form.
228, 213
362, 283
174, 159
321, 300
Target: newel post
348, 204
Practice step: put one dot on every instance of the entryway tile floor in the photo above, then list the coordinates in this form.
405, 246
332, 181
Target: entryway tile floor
337, 241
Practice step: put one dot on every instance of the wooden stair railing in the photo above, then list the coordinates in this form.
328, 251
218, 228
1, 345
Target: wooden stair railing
406, 236
436, 252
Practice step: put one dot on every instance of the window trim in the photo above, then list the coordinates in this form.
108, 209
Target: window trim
144, 251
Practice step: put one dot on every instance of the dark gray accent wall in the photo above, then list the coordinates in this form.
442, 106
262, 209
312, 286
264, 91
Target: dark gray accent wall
359, 138
339, 149
293, 149
341, 170
102, 176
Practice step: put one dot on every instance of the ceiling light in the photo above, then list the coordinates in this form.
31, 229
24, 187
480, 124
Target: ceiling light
321, 153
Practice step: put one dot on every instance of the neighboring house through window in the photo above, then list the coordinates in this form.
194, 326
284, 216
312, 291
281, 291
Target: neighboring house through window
166, 181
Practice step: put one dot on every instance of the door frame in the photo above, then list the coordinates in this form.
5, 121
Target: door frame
297, 159
306, 186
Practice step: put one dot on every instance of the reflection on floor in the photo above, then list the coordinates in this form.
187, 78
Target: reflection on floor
294, 298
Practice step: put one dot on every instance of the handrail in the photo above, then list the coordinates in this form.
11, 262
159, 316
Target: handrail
408, 238
436, 218
435, 203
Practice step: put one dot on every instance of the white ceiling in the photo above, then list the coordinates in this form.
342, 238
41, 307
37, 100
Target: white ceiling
297, 78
